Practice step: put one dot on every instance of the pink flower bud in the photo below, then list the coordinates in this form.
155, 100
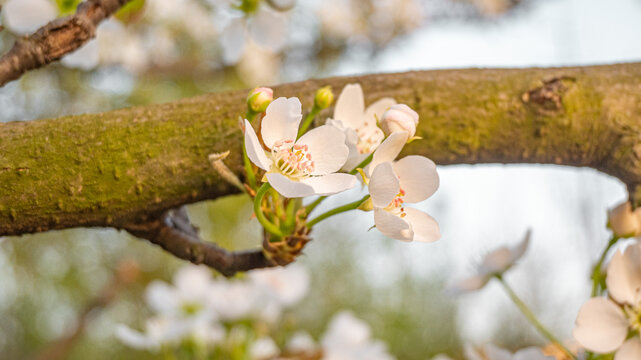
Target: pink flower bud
399, 117
259, 99
624, 222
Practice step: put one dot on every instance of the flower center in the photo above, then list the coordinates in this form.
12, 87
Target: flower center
633, 312
369, 137
190, 309
396, 206
295, 161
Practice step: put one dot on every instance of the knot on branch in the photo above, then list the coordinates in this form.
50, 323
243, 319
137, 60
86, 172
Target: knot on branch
548, 99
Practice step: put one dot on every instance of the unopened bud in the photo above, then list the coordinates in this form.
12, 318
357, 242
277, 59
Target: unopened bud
249, 6
624, 222
399, 117
259, 99
324, 97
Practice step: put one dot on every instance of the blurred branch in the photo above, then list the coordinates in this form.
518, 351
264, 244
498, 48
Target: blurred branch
174, 233
56, 39
130, 166
126, 273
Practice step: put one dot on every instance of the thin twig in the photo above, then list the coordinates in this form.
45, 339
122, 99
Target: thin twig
174, 233
56, 39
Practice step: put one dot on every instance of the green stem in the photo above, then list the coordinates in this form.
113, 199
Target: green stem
362, 164
597, 275
309, 208
249, 170
532, 318
260, 194
251, 115
338, 210
308, 120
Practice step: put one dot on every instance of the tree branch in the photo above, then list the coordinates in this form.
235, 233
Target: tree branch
56, 39
174, 233
129, 166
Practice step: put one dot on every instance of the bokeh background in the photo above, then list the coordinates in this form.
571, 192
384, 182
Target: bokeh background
162, 50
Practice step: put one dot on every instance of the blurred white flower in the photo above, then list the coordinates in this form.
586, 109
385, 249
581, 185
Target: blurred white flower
85, 58
392, 185
187, 15
234, 299
159, 331
495, 263
24, 17
623, 221
263, 348
348, 337
301, 343
493, 352
340, 20
285, 285
303, 167
267, 28
603, 324
362, 135
399, 117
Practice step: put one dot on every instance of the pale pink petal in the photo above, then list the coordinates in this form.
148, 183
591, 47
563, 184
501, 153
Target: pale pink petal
388, 150
424, 226
494, 352
470, 284
376, 110
600, 326
383, 185
350, 106
232, 41
392, 226
326, 145
289, 188
418, 177
630, 350
331, 183
281, 121
255, 151
519, 250
624, 274
269, 29
354, 158
496, 261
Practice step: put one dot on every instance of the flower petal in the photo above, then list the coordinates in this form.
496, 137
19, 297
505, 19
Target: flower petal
470, 284
268, 28
424, 226
376, 110
630, 350
133, 338
162, 297
383, 185
255, 151
331, 183
418, 177
531, 353
624, 274
289, 188
600, 326
281, 121
326, 145
232, 41
392, 226
350, 106
518, 251
388, 150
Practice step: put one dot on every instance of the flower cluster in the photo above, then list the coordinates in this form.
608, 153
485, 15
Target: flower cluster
238, 318
325, 160
613, 324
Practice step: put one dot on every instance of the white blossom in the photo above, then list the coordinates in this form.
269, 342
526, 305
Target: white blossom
348, 337
603, 324
492, 352
394, 184
303, 167
362, 135
263, 348
24, 17
494, 263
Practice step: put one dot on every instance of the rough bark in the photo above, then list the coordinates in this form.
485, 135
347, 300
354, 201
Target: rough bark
56, 39
130, 166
